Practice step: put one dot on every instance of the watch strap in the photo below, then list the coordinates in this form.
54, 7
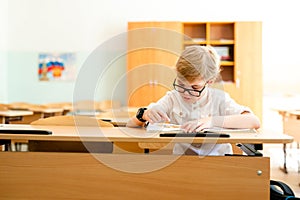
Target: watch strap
140, 114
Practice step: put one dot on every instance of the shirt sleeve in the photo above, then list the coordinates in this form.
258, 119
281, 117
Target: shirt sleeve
231, 107
164, 104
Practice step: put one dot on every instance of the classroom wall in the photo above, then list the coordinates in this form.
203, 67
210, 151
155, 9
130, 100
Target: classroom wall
34, 26
3, 49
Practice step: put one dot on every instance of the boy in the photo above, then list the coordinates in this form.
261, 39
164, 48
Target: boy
194, 105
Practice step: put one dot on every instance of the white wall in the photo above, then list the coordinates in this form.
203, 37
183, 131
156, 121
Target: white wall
82, 25
3, 49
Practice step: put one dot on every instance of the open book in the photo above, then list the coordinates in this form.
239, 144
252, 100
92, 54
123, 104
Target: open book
174, 128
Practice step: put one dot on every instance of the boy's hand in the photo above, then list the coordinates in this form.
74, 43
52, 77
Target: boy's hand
154, 115
197, 125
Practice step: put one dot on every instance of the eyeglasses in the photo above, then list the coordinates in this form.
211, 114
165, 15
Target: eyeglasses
192, 92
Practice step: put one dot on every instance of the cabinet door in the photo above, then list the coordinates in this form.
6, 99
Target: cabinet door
246, 87
153, 49
248, 52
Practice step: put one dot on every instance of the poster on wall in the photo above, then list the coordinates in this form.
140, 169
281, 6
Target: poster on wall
57, 67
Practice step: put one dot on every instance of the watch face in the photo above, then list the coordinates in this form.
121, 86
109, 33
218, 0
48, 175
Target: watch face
139, 112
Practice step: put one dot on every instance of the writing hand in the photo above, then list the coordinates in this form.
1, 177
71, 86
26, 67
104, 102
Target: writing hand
197, 125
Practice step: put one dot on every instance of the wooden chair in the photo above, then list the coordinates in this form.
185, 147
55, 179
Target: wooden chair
66, 106
58, 146
70, 120
116, 114
65, 120
3, 107
19, 106
122, 147
67, 146
291, 126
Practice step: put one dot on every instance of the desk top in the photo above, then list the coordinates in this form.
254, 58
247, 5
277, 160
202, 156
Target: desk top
286, 109
125, 134
90, 113
120, 121
36, 108
47, 110
15, 113
294, 112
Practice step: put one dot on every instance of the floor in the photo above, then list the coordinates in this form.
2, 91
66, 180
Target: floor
292, 178
273, 121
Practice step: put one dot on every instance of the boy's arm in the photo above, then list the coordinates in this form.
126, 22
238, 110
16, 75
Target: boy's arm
244, 120
134, 122
152, 115
138, 119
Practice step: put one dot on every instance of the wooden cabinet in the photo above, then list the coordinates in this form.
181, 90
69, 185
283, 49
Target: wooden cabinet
153, 49
238, 43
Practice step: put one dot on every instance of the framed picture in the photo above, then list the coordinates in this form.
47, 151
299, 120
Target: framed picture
57, 67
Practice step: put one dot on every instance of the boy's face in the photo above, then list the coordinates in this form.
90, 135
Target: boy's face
190, 91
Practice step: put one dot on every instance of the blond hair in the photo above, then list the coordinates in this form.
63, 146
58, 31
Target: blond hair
198, 61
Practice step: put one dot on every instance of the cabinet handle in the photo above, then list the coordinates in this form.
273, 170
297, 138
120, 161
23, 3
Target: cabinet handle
238, 82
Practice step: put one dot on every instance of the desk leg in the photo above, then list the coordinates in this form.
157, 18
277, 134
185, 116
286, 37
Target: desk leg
284, 168
297, 156
7, 147
18, 146
6, 121
298, 160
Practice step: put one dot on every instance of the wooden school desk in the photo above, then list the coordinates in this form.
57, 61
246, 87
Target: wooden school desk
117, 122
39, 111
48, 112
13, 115
29, 114
291, 126
65, 106
41, 175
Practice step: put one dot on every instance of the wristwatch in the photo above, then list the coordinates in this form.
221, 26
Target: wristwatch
140, 113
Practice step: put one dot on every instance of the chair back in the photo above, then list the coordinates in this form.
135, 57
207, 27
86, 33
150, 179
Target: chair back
3, 107
68, 146
70, 120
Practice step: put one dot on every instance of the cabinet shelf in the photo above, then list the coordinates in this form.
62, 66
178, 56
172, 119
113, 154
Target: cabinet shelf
221, 42
195, 43
219, 35
227, 63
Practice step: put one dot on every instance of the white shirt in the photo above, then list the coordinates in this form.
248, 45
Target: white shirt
214, 102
